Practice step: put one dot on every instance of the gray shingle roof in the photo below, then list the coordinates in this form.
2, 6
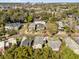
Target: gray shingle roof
72, 44
26, 43
38, 40
54, 44
32, 25
77, 27
77, 40
14, 25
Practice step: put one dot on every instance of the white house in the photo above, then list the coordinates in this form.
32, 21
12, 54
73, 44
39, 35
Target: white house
2, 47
60, 24
12, 41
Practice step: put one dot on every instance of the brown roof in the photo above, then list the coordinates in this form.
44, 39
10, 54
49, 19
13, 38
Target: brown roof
75, 34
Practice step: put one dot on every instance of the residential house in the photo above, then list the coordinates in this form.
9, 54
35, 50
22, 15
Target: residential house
77, 40
31, 27
71, 15
54, 44
37, 25
13, 26
12, 41
4, 7
2, 47
72, 44
20, 19
60, 25
61, 34
26, 42
77, 18
40, 27
66, 23
62, 10
39, 41
77, 28
7, 44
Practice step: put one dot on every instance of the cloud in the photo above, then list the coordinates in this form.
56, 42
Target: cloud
10, 0
39, 0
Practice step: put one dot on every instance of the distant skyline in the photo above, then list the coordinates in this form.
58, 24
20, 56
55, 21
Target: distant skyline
36, 1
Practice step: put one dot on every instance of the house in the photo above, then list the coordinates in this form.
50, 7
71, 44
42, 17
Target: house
12, 41
54, 44
66, 22
37, 25
40, 27
71, 15
12, 26
72, 45
77, 40
7, 44
2, 47
77, 27
60, 25
26, 42
38, 42
62, 34
39, 22
77, 18
31, 27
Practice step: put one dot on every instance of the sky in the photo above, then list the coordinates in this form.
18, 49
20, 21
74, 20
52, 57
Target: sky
36, 1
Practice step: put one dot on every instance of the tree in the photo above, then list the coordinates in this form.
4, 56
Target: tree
46, 52
66, 53
67, 29
9, 53
53, 19
52, 27
29, 18
18, 41
19, 53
